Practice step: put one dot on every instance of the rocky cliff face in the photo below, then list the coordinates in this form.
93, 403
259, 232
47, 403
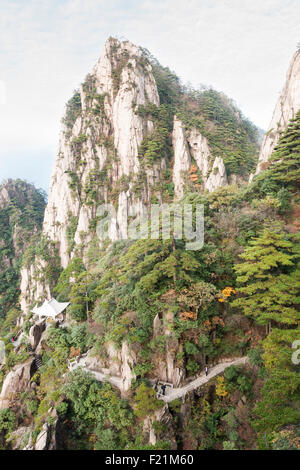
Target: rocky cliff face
21, 215
192, 145
97, 158
102, 141
17, 198
121, 143
15, 382
146, 310
286, 108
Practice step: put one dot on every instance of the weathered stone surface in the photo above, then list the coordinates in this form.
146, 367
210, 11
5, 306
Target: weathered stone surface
19, 437
166, 366
182, 157
217, 176
43, 438
17, 380
47, 438
115, 134
35, 334
156, 326
189, 144
200, 151
286, 108
161, 416
42, 342
120, 364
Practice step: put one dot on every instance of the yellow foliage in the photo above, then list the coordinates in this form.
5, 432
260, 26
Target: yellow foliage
221, 387
204, 411
226, 293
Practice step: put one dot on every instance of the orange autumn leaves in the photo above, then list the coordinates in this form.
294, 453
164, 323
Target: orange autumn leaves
193, 176
226, 293
184, 316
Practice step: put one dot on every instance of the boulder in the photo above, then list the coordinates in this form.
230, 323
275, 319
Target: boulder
21, 437
43, 438
163, 416
17, 380
35, 334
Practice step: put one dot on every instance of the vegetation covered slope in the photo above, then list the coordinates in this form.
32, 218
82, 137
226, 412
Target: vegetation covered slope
21, 214
238, 295
230, 135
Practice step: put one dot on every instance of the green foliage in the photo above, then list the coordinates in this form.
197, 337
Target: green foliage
269, 277
212, 423
62, 409
132, 278
42, 248
62, 339
7, 420
70, 232
83, 392
230, 135
159, 428
255, 357
191, 348
281, 173
228, 445
73, 110
131, 283
157, 145
146, 402
19, 219
71, 272
281, 390
285, 160
237, 379
98, 408
10, 321
77, 285
231, 373
167, 82
192, 367
107, 439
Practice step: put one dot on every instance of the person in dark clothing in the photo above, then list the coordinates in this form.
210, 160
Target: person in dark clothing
163, 389
206, 371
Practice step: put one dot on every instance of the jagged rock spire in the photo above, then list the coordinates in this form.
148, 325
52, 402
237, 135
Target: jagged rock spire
286, 108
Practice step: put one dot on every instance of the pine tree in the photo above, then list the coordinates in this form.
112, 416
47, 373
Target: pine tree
270, 279
281, 391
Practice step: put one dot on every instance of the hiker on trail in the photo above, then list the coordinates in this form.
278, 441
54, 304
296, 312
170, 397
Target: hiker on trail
206, 371
163, 388
13, 339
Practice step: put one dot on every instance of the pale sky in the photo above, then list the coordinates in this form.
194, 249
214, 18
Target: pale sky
240, 47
